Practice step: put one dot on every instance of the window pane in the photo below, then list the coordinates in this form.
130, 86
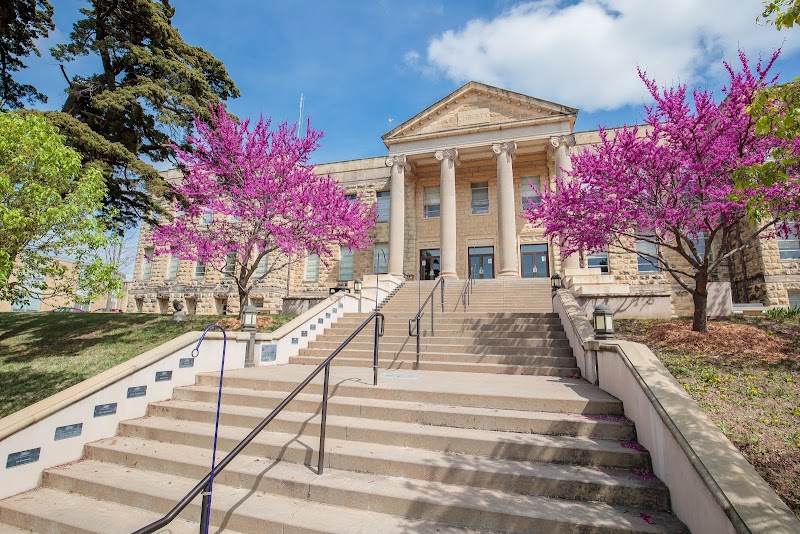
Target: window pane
207, 218
789, 249
346, 264
529, 193
480, 197
380, 260
147, 266
383, 206
312, 268
230, 266
431, 202
261, 268
650, 264
172, 272
598, 260
199, 269
794, 299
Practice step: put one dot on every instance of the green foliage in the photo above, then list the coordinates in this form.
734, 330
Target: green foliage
783, 314
22, 22
150, 87
782, 13
49, 208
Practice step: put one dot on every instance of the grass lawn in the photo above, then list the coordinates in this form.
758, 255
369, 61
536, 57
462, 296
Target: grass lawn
745, 374
44, 353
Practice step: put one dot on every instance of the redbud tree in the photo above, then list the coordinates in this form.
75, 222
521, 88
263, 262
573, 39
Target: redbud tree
250, 193
671, 183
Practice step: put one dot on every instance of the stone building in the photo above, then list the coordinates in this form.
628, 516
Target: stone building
449, 196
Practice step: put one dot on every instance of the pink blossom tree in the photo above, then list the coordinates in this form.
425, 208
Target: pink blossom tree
250, 203
671, 184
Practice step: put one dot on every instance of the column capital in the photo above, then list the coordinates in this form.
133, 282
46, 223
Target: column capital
509, 147
398, 159
559, 140
447, 153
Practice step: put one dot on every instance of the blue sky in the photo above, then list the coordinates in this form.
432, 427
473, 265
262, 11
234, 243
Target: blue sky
361, 64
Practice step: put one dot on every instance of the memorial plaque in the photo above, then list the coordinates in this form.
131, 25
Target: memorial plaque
137, 391
269, 353
16, 459
68, 431
186, 362
163, 376
102, 410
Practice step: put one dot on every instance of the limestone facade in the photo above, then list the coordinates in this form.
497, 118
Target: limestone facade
475, 152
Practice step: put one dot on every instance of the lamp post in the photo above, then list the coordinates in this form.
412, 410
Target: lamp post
603, 322
555, 282
357, 284
249, 317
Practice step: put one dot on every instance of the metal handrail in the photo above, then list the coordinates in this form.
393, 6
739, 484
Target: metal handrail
469, 284
416, 318
202, 486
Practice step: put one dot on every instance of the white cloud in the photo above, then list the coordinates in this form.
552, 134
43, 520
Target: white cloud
585, 54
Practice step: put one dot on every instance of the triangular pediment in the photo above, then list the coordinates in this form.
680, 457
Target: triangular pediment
477, 106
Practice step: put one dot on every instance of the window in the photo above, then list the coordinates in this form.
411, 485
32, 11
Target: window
531, 194
261, 268
312, 268
147, 266
431, 202
351, 197
172, 271
199, 269
207, 218
257, 303
647, 264
230, 266
380, 259
794, 299
700, 245
346, 264
480, 197
383, 206
598, 260
789, 249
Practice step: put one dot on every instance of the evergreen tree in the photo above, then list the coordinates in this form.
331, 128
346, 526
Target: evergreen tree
21, 23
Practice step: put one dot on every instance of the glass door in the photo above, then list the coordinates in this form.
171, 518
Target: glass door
429, 263
535, 262
481, 262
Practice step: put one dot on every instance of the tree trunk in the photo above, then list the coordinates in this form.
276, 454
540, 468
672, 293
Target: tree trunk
700, 298
244, 300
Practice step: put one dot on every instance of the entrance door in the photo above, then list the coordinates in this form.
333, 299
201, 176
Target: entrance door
534, 261
429, 263
481, 262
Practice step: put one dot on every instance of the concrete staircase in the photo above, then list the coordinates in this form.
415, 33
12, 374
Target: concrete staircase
495, 433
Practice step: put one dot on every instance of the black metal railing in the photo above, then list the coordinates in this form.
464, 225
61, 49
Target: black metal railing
203, 485
416, 319
469, 284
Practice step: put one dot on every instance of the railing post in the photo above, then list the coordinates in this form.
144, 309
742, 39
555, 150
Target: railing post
433, 309
375, 353
442, 295
324, 420
205, 511
418, 325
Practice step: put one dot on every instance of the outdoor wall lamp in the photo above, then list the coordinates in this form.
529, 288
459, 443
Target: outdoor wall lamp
555, 282
249, 316
603, 322
357, 286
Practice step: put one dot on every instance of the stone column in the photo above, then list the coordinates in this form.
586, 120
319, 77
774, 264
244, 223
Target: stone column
560, 146
397, 209
506, 205
447, 216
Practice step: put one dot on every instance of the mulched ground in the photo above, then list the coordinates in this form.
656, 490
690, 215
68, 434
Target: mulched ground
745, 373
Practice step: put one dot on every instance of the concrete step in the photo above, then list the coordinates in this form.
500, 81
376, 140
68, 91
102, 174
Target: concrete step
428, 363
546, 356
51, 510
463, 319
493, 444
255, 511
526, 422
534, 339
609, 485
452, 330
425, 500
502, 392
